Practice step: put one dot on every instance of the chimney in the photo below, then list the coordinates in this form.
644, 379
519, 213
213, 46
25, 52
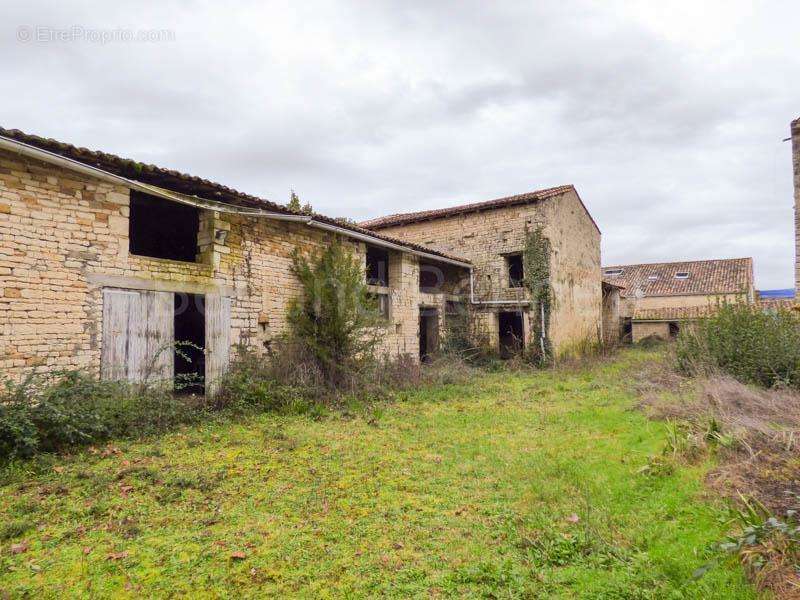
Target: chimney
796, 164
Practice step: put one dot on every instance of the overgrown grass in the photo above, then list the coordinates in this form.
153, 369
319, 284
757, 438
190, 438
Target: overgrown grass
753, 435
512, 485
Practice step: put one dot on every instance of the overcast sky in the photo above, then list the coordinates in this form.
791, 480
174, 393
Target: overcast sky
668, 117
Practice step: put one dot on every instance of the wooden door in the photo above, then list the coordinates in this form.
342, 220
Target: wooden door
218, 339
138, 332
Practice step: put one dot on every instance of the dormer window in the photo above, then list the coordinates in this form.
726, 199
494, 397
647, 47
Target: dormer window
613, 272
652, 277
682, 275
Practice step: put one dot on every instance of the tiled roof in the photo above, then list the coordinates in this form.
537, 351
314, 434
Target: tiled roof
722, 276
440, 213
612, 283
188, 184
673, 313
773, 304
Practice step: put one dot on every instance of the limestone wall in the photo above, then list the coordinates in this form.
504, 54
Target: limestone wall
487, 237
63, 237
629, 305
643, 329
611, 318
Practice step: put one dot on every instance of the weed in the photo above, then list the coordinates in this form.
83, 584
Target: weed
15, 529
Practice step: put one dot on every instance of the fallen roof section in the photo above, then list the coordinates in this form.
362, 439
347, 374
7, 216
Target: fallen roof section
442, 213
702, 277
189, 189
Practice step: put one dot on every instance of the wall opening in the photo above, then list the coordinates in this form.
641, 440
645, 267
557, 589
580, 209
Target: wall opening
431, 279
512, 336
674, 330
627, 330
377, 266
428, 333
515, 270
159, 228
190, 343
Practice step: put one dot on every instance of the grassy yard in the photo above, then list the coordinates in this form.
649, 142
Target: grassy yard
513, 486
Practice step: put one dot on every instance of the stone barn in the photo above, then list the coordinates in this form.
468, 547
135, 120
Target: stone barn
657, 298
491, 235
105, 263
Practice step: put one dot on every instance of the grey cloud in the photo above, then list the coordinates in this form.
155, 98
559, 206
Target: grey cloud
380, 107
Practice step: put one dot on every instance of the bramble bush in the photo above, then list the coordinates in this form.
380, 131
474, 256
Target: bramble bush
55, 411
751, 345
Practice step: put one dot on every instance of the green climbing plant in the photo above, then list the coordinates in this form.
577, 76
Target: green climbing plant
536, 267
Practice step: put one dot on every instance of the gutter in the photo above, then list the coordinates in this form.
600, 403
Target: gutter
24, 149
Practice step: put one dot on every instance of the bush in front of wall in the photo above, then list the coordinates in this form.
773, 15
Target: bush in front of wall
536, 267
51, 412
335, 319
743, 341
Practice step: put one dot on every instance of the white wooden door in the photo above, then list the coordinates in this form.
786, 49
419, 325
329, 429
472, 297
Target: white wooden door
218, 339
138, 333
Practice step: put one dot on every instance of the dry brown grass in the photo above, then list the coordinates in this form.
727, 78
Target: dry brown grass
760, 431
755, 434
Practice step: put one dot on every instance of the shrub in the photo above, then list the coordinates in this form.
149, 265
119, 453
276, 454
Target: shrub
257, 382
741, 340
336, 320
51, 412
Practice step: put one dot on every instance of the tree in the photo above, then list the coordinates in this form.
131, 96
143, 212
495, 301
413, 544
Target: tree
335, 319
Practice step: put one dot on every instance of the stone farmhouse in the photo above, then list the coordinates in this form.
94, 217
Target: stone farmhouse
657, 298
491, 235
105, 261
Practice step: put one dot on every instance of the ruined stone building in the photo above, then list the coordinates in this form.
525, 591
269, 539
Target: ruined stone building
657, 298
104, 262
491, 235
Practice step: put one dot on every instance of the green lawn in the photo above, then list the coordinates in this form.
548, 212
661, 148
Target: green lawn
512, 486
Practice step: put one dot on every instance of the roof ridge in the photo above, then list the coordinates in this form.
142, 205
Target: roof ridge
678, 262
398, 218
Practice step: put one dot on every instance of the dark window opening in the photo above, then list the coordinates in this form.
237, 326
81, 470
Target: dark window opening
511, 333
377, 266
163, 229
627, 330
190, 342
515, 270
431, 279
674, 330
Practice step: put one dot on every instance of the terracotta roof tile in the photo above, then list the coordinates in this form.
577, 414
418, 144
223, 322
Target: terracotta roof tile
189, 184
721, 276
773, 304
673, 313
440, 213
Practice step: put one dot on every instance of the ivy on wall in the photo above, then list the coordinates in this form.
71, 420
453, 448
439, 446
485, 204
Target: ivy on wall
536, 269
